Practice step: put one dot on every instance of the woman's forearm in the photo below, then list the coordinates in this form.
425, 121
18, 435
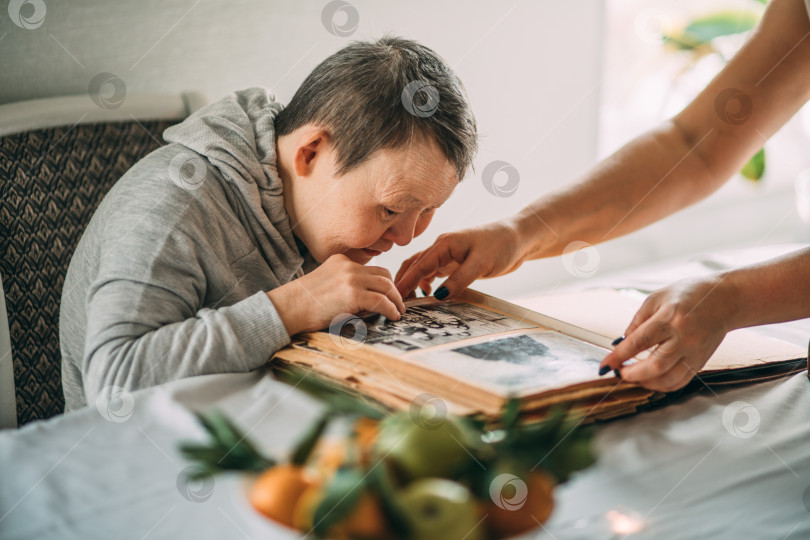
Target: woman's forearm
690, 156
774, 291
649, 178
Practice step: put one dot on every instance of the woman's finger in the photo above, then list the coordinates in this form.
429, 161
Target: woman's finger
445, 251
674, 379
422, 265
384, 285
664, 357
406, 264
379, 271
378, 303
427, 284
650, 333
468, 271
647, 309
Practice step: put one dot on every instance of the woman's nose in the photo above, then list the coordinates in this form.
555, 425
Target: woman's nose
401, 233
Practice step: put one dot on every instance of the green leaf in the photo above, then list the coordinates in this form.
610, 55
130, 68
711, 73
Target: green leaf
576, 454
755, 168
545, 432
703, 30
339, 499
511, 412
381, 483
558, 445
199, 452
229, 449
222, 431
336, 397
304, 447
681, 42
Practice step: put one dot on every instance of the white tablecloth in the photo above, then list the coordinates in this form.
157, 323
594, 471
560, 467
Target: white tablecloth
693, 469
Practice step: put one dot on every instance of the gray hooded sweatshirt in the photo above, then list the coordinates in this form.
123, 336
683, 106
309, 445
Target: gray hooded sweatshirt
169, 278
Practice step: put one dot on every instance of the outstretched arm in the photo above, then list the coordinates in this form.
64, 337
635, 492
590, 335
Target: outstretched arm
653, 176
687, 321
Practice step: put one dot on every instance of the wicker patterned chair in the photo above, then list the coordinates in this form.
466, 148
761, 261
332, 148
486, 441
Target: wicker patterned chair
52, 178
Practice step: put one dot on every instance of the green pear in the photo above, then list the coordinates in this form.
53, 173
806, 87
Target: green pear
418, 450
440, 509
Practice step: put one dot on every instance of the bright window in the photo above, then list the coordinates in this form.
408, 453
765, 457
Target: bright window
645, 82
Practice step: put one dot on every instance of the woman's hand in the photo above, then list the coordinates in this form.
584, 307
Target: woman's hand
482, 252
683, 324
338, 286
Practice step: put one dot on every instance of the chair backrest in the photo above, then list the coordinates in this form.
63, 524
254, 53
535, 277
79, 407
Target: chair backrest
51, 181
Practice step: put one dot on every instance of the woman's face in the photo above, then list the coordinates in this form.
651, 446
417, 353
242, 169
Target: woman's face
389, 199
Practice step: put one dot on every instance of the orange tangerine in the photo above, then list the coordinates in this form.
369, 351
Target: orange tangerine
504, 521
277, 491
365, 521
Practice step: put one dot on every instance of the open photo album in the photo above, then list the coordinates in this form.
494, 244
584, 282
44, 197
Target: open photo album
477, 351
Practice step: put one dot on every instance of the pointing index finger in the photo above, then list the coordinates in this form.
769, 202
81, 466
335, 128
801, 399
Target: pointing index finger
423, 264
649, 334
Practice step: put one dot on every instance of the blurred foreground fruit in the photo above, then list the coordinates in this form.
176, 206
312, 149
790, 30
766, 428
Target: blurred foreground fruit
406, 477
327, 456
277, 491
366, 520
420, 451
305, 508
512, 514
365, 434
440, 509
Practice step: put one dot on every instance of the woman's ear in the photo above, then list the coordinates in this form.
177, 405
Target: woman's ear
311, 147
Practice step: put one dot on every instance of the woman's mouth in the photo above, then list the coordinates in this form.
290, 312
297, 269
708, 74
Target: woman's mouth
371, 252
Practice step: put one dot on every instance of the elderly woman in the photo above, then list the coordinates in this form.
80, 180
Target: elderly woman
681, 162
256, 221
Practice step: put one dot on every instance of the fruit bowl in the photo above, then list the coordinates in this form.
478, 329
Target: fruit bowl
394, 475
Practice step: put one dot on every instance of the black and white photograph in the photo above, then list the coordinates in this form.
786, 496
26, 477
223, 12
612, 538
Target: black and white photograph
430, 325
516, 363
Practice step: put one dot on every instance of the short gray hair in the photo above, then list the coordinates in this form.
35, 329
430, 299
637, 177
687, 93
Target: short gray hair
383, 94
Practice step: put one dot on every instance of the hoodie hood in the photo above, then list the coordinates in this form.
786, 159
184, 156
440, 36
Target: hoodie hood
237, 136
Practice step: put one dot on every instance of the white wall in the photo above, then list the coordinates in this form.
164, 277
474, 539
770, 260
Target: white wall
531, 68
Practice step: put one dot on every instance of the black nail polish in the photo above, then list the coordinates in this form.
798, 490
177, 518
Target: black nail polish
441, 293
616, 372
618, 340
423, 292
603, 370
